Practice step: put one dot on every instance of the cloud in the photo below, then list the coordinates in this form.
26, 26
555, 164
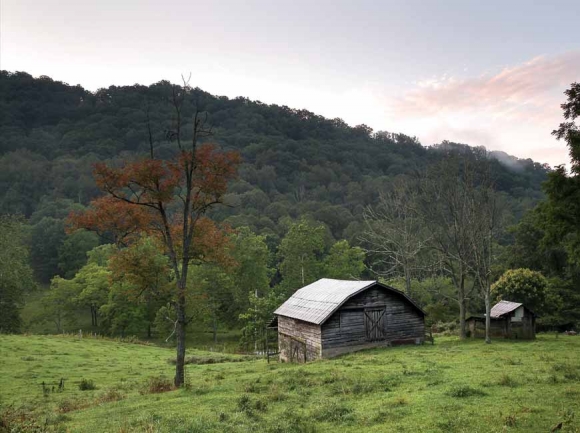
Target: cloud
529, 86
513, 110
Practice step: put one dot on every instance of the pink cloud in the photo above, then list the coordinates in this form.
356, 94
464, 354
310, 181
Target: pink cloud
526, 89
514, 110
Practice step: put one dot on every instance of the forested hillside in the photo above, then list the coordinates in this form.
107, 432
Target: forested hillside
294, 161
304, 184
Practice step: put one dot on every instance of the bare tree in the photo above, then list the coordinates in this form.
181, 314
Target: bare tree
394, 234
485, 227
446, 199
463, 211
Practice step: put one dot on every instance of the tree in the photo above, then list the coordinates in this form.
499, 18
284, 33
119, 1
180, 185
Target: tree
252, 272
447, 210
300, 254
254, 304
258, 316
568, 130
59, 303
144, 274
92, 281
485, 228
394, 234
173, 196
213, 288
46, 238
72, 253
15, 272
344, 262
525, 286
562, 208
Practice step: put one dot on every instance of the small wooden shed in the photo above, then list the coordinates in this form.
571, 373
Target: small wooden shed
331, 317
508, 320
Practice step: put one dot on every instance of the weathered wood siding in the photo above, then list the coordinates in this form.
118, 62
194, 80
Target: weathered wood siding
504, 327
298, 341
347, 327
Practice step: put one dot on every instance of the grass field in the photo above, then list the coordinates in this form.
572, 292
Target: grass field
449, 387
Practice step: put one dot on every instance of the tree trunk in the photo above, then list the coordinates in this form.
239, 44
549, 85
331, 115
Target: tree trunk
180, 335
487, 316
149, 330
462, 309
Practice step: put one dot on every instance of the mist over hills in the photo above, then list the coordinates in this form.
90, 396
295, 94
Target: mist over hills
295, 163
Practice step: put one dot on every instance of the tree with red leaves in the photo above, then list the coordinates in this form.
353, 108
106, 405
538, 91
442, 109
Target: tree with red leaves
168, 199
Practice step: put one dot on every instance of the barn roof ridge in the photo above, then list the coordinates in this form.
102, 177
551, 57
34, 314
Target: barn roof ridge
316, 302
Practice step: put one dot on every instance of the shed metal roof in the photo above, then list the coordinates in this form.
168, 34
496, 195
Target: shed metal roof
316, 302
503, 307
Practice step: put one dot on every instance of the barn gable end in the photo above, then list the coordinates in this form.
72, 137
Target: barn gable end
375, 317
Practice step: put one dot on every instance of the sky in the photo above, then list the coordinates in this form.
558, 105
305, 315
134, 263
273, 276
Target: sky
486, 73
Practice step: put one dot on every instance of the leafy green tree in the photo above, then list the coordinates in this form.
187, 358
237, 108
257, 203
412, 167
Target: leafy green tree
213, 287
46, 238
87, 290
301, 255
93, 282
252, 273
344, 262
525, 286
562, 209
121, 315
72, 253
144, 273
15, 272
59, 303
257, 318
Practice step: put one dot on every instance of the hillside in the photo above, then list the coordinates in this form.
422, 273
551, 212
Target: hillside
294, 161
448, 387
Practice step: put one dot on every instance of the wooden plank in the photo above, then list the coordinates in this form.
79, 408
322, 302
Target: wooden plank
350, 325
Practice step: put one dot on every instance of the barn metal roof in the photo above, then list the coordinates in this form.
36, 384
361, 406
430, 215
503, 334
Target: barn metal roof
316, 302
503, 307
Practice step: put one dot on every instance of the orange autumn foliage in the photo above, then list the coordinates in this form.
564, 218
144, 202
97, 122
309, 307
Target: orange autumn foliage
150, 182
141, 194
107, 215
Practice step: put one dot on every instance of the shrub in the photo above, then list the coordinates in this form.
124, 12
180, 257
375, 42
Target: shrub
291, 422
463, 391
68, 405
334, 412
507, 380
87, 385
245, 404
157, 384
110, 395
510, 421
18, 421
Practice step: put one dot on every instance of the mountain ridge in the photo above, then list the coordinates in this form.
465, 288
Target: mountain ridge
295, 162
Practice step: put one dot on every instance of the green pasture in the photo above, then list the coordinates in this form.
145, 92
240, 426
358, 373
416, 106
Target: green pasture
452, 386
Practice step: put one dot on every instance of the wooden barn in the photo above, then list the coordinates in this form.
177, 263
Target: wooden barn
331, 317
508, 320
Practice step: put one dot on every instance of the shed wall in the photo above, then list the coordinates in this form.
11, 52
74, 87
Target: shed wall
506, 327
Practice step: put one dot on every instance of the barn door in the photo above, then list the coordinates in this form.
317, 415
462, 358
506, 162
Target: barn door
375, 324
